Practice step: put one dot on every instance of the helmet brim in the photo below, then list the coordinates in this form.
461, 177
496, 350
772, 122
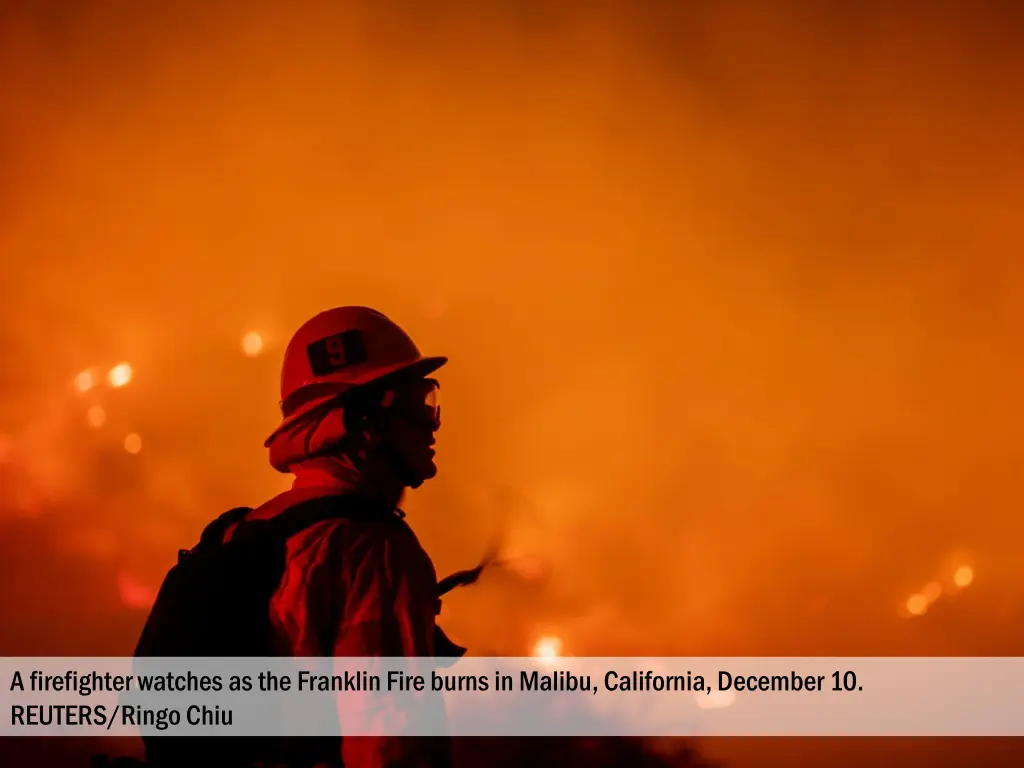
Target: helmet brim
347, 384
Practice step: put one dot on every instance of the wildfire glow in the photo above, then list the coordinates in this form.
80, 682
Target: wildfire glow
252, 344
964, 576
547, 649
133, 443
134, 593
120, 375
932, 591
917, 605
85, 381
96, 416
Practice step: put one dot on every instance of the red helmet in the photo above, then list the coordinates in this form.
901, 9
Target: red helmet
340, 349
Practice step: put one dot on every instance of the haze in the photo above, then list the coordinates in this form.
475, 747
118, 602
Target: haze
732, 297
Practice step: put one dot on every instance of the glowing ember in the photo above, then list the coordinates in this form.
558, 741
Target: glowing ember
917, 605
120, 375
252, 344
133, 593
932, 591
133, 443
964, 576
96, 416
85, 381
547, 649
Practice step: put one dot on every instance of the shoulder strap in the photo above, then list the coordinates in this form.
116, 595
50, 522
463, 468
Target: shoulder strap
213, 534
304, 514
290, 521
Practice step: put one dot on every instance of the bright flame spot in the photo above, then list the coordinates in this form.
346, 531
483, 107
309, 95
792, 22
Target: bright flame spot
964, 576
133, 443
932, 591
96, 416
715, 699
85, 381
547, 649
917, 605
120, 375
133, 593
252, 344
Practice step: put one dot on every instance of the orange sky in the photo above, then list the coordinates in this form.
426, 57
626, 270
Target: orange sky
731, 297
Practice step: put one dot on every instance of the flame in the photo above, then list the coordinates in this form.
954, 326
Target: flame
547, 649
85, 381
252, 344
917, 605
964, 576
96, 416
120, 375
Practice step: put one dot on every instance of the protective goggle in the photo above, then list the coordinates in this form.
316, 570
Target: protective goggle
417, 402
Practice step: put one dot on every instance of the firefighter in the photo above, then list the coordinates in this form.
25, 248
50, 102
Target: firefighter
359, 417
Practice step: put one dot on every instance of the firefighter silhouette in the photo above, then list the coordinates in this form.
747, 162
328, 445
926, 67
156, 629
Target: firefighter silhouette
360, 411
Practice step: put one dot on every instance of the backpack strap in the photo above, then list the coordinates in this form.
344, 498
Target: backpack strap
292, 520
214, 531
213, 534
304, 514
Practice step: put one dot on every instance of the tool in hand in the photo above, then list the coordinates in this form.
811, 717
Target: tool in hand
467, 577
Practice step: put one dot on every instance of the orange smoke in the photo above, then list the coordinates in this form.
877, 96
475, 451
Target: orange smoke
732, 299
